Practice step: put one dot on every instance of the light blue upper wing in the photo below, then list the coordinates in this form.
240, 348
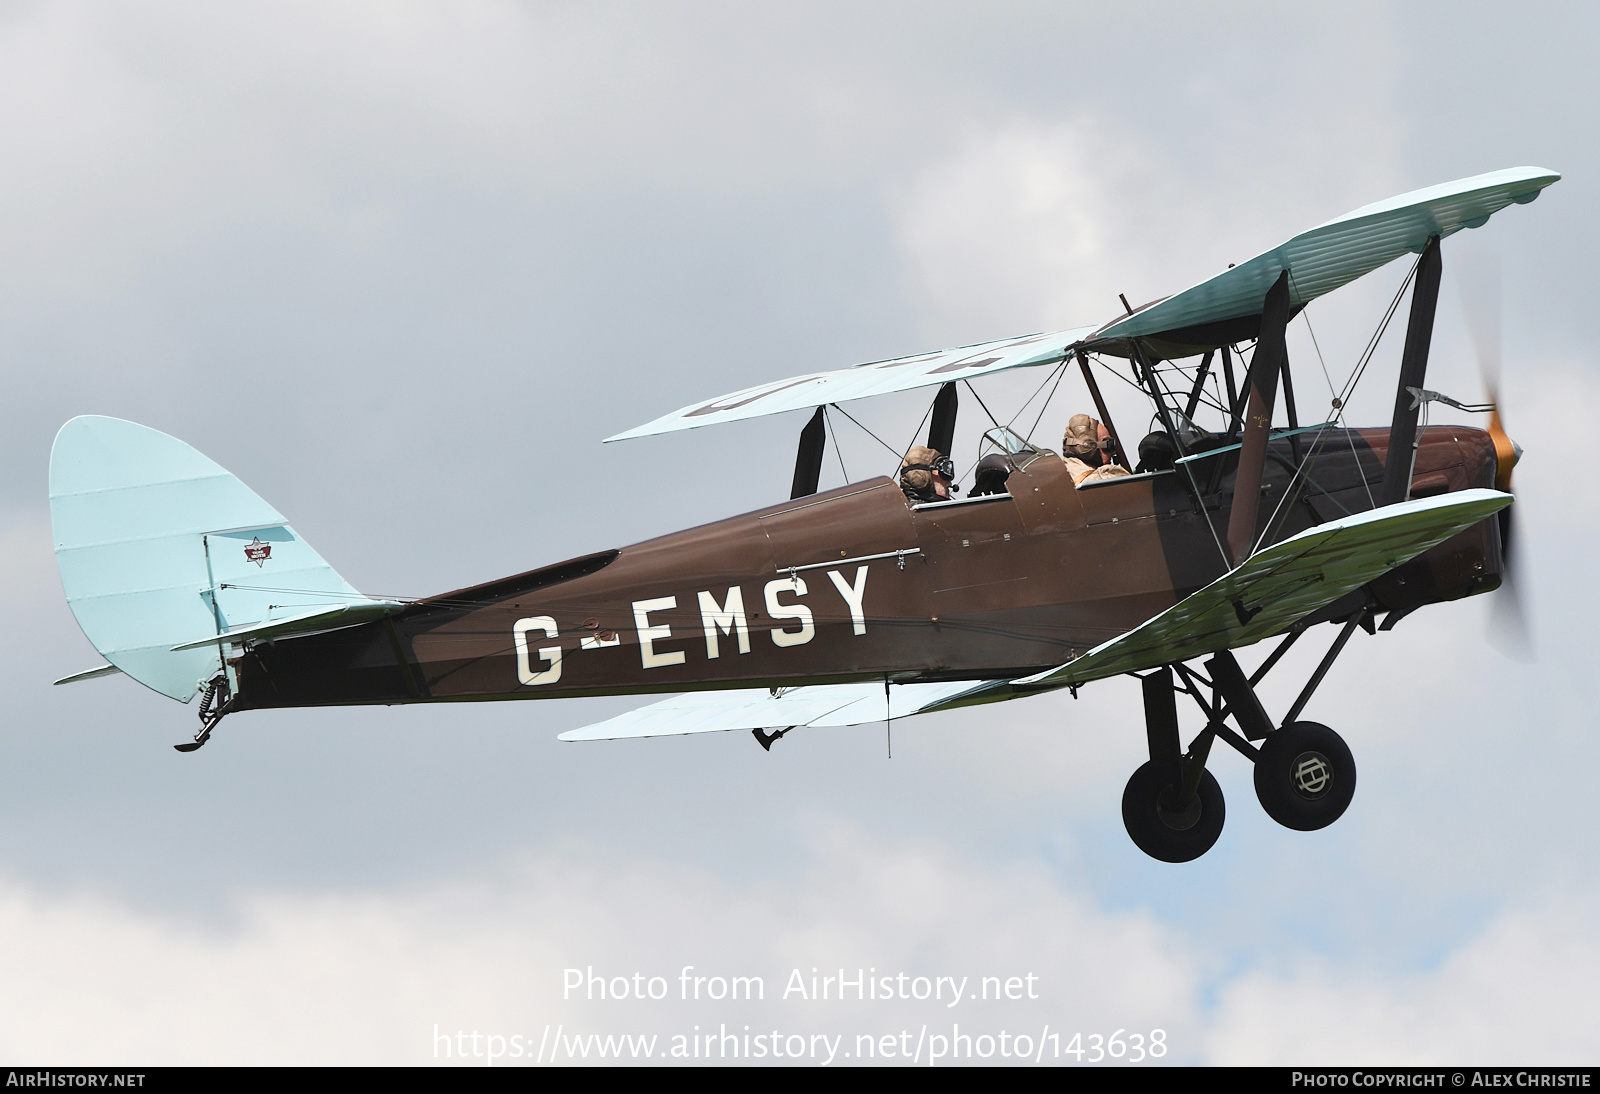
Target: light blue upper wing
872, 378
1339, 251
1322, 259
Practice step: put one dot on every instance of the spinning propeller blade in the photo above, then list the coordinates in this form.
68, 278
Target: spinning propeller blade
1480, 298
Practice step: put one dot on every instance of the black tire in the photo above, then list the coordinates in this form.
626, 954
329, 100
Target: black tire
1163, 832
1305, 776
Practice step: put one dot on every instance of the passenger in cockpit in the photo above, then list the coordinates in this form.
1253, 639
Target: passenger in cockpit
1086, 446
926, 476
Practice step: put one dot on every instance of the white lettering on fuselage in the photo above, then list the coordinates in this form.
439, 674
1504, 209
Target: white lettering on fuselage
552, 654
727, 617
778, 610
854, 595
718, 618
649, 635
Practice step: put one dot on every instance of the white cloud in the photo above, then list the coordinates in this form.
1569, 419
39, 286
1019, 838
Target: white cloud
173, 171
364, 977
1520, 992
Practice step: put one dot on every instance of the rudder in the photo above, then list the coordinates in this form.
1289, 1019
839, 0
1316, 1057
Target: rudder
159, 546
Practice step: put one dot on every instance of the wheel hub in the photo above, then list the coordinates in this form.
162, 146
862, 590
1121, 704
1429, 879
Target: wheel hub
1313, 775
1179, 819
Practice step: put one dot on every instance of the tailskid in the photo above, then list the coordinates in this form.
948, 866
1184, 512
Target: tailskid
215, 704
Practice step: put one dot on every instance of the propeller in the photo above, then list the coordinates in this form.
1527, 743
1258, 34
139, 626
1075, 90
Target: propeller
1480, 299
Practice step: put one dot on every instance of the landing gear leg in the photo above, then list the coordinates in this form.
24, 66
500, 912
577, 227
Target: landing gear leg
1305, 775
212, 711
1172, 807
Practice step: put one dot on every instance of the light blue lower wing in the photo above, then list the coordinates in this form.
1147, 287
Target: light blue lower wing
758, 708
1282, 584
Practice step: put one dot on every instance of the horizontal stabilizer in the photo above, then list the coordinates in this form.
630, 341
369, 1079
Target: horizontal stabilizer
1323, 259
314, 622
758, 708
91, 674
1277, 586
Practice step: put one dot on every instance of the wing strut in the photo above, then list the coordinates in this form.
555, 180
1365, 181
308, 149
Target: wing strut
942, 430
1234, 686
1233, 392
1402, 452
1262, 384
1144, 371
1290, 411
1199, 385
1120, 455
808, 460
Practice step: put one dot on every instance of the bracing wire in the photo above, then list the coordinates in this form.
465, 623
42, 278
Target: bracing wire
1113, 372
1305, 313
837, 451
917, 432
1377, 336
1051, 375
868, 432
1060, 375
981, 403
1343, 397
1292, 488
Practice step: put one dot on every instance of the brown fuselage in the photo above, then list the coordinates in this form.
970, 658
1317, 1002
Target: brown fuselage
856, 583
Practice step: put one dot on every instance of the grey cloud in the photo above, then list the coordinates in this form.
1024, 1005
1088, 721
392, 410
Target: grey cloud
367, 255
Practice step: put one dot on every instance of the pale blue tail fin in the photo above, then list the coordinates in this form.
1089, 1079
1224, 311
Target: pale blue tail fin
160, 547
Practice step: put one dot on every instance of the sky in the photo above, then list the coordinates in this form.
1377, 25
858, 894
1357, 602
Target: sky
400, 267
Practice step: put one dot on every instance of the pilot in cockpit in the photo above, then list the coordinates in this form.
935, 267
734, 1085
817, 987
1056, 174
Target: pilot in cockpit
1086, 448
926, 476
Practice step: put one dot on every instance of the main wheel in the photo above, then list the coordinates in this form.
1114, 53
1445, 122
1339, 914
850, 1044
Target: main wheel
1161, 829
1305, 776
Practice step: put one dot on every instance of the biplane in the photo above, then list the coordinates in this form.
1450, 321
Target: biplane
862, 603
